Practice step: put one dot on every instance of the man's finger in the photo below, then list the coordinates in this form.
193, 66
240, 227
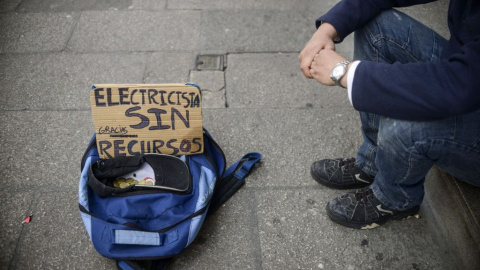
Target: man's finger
305, 67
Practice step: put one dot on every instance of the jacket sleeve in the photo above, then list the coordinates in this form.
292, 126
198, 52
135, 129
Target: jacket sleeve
348, 15
420, 91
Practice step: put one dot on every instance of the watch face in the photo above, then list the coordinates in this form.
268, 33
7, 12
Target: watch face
338, 71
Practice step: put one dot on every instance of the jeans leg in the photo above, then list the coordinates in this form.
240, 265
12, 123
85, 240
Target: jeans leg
459, 155
407, 150
402, 168
394, 37
367, 152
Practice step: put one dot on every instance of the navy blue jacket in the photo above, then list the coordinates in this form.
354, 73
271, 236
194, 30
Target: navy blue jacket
416, 91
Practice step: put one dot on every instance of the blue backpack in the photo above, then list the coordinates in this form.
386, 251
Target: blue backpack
154, 223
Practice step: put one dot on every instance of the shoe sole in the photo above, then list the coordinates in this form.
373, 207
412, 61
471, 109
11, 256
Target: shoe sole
329, 184
371, 225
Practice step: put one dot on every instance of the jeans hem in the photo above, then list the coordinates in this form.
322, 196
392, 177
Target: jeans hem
384, 200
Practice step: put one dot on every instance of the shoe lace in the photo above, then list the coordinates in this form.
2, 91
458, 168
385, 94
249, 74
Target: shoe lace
362, 194
347, 162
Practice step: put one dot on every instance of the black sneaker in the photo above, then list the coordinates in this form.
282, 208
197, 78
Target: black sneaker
340, 174
360, 209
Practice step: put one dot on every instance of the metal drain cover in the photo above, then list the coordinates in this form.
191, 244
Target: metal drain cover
209, 62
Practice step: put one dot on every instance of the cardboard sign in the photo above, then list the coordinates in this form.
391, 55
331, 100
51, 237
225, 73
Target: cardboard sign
137, 119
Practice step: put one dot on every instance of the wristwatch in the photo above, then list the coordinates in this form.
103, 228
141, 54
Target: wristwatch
338, 72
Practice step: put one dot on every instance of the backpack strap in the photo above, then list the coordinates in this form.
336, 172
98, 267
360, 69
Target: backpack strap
233, 180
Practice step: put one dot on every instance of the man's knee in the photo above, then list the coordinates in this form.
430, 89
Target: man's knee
368, 39
395, 134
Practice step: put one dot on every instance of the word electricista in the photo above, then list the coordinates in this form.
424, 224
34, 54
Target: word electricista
125, 96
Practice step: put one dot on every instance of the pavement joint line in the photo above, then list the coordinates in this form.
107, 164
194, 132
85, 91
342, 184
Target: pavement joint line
147, 61
128, 51
225, 81
31, 209
15, 9
199, 39
255, 229
74, 27
167, 8
43, 190
27, 53
75, 52
225, 70
285, 188
262, 52
67, 52
43, 110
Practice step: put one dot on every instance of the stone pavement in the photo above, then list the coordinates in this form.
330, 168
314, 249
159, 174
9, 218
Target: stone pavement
52, 51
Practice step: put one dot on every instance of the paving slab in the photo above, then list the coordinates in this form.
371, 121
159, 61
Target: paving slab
35, 32
254, 31
136, 30
212, 85
265, 80
15, 207
148, 4
469, 194
72, 5
9, 5
84, 5
285, 5
453, 205
41, 150
56, 238
290, 140
228, 239
433, 15
61, 80
169, 67
296, 233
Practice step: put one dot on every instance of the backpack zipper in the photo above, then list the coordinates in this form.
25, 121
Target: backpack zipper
135, 226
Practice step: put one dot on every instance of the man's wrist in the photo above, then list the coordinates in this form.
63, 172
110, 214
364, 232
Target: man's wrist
328, 29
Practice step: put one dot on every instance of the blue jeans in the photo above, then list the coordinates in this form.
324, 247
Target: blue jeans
400, 153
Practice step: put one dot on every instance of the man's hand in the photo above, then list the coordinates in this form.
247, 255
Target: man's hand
323, 64
321, 40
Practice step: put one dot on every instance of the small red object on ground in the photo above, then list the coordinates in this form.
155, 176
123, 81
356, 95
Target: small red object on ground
27, 219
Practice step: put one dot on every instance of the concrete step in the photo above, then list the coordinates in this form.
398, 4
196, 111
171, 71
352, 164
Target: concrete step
455, 206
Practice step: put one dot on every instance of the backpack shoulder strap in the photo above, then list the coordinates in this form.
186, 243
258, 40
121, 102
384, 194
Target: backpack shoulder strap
233, 180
